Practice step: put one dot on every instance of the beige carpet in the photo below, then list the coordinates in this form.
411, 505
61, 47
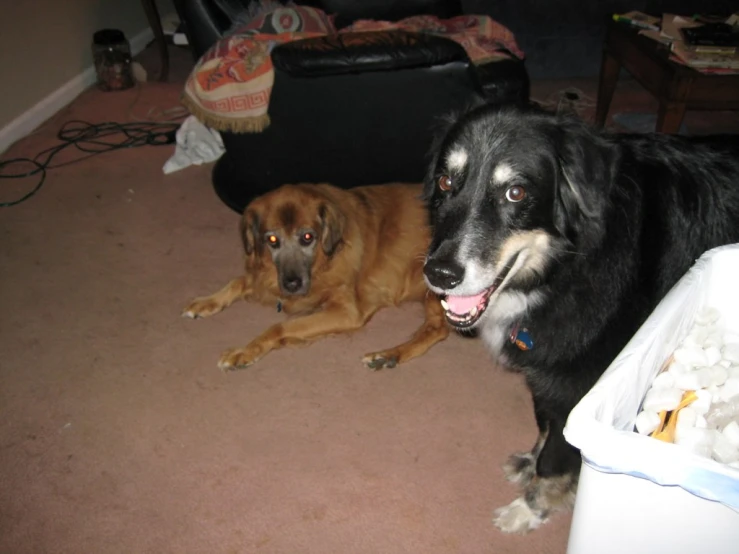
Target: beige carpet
119, 435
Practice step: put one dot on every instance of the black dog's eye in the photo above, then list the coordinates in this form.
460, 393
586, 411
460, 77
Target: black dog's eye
515, 194
445, 183
306, 238
273, 241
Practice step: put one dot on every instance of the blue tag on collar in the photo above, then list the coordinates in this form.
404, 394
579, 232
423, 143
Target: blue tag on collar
279, 306
521, 338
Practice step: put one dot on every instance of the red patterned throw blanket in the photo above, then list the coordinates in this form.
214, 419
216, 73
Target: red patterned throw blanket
230, 86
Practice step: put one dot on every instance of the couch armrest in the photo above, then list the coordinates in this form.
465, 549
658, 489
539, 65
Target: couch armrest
364, 51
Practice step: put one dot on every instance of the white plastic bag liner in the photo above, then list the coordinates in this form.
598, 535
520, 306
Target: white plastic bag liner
602, 423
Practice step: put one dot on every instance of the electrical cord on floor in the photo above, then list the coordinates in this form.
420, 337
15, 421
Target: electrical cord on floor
91, 139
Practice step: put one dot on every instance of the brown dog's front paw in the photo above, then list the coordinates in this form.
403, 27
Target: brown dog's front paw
202, 307
380, 360
238, 358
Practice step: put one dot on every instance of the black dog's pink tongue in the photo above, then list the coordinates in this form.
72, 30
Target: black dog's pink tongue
464, 304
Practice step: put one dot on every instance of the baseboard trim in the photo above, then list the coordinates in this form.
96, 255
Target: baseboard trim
25, 123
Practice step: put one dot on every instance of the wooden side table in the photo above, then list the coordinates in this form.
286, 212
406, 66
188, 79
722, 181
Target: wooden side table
152, 14
677, 87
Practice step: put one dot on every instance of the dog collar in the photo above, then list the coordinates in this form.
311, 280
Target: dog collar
520, 337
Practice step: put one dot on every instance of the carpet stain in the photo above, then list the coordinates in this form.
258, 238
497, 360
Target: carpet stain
263, 541
317, 513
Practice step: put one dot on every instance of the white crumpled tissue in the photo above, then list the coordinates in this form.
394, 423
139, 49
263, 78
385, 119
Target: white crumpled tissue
196, 145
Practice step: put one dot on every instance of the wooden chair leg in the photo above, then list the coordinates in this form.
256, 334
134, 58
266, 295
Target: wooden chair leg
609, 70
670, 117
152, 14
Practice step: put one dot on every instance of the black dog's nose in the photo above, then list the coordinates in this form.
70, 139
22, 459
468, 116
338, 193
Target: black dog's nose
292, 283
443, 274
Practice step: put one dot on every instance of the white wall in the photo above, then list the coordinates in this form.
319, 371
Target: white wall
46, 43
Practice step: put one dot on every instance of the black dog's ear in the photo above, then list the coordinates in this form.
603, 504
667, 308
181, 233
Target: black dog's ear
332, 227
250, 232
439, 131
586, 164
440, 128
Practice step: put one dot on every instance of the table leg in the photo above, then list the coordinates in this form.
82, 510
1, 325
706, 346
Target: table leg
670, 117
609, 70
152, 14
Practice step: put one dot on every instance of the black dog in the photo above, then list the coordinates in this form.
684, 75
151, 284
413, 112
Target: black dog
556, 241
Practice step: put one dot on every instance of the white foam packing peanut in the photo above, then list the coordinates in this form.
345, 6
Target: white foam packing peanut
687, 417
700, 422
718, 375
691, 356
714, 340
730, 389
698, 441
676, 368
696, 338
706, 316
647, 421
664, 380
713, 355
731, 432
702, 404
657, 400
723, 450
688, 381
731, 353
707, 362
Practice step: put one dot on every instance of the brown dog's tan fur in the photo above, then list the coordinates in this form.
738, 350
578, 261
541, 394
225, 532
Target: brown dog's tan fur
369, 254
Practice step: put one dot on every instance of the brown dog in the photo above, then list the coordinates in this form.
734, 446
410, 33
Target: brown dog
336, 257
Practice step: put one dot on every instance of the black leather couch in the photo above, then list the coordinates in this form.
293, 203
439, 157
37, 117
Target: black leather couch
350, 112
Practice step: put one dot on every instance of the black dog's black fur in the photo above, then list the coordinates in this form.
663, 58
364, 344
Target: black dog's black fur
625, 217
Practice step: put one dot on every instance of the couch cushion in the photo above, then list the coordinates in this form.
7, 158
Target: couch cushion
365, 51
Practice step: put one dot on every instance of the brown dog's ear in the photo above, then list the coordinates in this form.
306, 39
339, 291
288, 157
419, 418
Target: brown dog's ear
250, 232
332, 227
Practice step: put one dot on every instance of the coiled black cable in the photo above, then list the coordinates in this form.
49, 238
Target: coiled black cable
90, 139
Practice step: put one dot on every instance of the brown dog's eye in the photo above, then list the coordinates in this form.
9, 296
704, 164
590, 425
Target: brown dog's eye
306, 238
445, 183
273, 241
515, 194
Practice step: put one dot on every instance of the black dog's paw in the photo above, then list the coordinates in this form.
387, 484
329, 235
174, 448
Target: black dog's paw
520, 468
518, 517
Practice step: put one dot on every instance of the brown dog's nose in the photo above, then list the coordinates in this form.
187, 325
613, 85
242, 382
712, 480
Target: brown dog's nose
292, 283
444, 274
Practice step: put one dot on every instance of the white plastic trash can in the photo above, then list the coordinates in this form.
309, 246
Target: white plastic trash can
639, 495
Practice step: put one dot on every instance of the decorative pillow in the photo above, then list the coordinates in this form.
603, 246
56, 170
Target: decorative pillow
348, 13
270, 17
